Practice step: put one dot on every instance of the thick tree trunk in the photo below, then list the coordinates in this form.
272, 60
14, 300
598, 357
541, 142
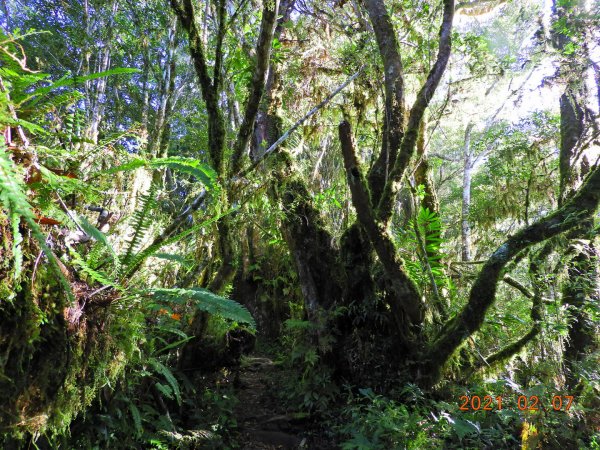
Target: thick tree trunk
211, 92
580, 292
406, 305
581, 286
393, 126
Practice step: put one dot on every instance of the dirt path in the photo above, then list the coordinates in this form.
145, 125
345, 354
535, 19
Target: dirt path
263, 421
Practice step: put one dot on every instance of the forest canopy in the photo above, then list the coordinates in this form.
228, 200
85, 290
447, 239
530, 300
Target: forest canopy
354, 224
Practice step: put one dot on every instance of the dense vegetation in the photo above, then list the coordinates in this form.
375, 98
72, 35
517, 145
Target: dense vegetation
358, 224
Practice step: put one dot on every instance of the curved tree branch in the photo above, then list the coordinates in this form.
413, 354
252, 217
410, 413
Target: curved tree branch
406, 300
407, 148
394, 96
483, 292
184, 10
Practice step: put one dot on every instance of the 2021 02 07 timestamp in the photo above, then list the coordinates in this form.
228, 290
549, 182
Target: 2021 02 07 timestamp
522, 402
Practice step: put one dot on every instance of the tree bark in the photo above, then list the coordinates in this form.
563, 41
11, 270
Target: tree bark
423, 175
263, 54
581, 286
466, 196
393, 125
406, 305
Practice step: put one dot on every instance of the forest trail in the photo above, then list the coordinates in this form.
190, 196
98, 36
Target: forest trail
263, 421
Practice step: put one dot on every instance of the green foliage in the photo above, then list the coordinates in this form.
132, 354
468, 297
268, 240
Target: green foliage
518, 179
193, 167
203, 300
375, 422
126, 312
306, 343
425, 234
153, 404
33, 98
16, 202
142, 220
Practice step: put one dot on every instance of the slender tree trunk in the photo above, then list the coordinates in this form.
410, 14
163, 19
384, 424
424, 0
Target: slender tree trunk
167, 90
466, 196
422, 172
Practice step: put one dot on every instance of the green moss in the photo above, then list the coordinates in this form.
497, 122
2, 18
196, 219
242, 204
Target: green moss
54, 369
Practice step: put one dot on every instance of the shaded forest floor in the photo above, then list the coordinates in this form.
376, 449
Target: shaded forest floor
263, 420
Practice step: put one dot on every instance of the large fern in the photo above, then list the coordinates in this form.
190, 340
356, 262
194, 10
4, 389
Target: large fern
205, 301
202, 172
425, 233
14, 200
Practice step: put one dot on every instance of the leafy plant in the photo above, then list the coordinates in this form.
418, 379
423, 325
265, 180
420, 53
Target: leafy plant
16, 202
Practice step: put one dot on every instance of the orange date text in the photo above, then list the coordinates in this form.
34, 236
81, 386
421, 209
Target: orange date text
522, 403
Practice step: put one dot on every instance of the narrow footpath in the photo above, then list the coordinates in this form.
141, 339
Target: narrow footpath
263, 422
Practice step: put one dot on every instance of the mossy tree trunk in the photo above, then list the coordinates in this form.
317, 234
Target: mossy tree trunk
211, 88
581, 287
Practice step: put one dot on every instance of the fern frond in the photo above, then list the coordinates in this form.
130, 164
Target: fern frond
137, 418
96, 275
163, 370
206, 301
67, 80
100, 237
136, 260
96, 255
14, 199
185, 263
202, 172
17, 252
141, 224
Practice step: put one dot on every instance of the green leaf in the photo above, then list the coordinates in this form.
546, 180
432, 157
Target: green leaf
140, 257
96, 275
99, 236
464, 428
137, 418
68, 80
203, 172
206, 301
164, 390
168, 375
14, 199
186, 263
